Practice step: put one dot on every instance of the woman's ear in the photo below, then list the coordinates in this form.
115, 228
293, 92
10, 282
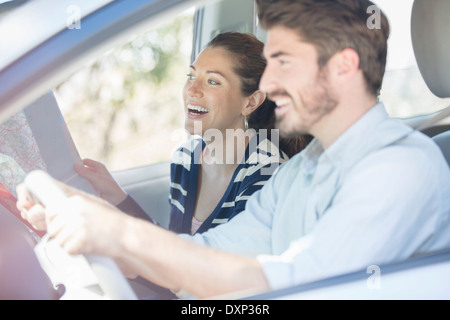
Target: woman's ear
254, 101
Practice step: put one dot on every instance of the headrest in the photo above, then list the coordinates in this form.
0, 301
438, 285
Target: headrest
430, 30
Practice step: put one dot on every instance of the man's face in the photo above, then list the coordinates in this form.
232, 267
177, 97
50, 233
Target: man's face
295, 83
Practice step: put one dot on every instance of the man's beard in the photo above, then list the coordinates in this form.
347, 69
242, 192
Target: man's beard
322, 101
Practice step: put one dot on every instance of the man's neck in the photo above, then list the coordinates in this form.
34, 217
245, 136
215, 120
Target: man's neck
328, 129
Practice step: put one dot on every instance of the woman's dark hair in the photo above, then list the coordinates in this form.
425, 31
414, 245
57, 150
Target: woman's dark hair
249, 65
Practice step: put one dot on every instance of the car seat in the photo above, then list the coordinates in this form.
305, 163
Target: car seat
430, 27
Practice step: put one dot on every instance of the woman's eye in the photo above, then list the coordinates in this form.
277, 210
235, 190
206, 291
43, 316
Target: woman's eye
213, 82
190, 76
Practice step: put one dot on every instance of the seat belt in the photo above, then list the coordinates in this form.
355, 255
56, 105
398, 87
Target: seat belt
9, 202
444, 113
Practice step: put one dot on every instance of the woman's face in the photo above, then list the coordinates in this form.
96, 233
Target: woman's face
212, 95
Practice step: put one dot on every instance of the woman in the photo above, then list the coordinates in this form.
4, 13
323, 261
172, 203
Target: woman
213, 175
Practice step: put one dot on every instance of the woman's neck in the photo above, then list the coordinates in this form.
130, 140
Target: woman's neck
227, 151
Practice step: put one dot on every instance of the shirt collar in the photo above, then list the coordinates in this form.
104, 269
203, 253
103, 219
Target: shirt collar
349, 144
351, 141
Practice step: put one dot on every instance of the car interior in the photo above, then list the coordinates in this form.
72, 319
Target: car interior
432, 53
426, 19
433, 58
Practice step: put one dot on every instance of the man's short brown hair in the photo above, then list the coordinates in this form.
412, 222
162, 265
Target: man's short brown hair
332, 26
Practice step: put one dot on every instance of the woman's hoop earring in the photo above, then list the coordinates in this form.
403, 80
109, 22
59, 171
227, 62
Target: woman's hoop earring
245, 123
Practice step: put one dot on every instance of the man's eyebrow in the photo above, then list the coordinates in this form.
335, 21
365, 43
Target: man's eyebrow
278, 54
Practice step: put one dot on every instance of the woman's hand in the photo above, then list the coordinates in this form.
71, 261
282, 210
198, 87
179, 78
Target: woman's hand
102, 181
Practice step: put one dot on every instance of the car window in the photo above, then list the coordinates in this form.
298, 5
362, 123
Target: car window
404, 91
125, 109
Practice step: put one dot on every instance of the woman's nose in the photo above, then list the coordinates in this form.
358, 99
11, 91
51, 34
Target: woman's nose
193, 88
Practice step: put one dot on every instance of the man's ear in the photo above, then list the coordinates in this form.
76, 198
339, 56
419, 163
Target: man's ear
254, 101
344, 64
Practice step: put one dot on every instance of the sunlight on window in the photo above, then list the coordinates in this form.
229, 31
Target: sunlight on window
126, 109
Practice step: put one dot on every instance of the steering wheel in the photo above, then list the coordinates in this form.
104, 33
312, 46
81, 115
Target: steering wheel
84, 276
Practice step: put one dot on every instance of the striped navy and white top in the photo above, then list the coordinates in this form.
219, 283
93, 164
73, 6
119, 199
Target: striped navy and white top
262, 158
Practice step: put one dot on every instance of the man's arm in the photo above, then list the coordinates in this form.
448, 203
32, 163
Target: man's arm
86, 224
168, 260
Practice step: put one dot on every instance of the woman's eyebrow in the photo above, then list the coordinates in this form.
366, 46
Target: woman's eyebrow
216, 72
210, 71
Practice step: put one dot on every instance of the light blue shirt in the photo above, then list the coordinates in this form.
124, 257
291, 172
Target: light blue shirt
379, 194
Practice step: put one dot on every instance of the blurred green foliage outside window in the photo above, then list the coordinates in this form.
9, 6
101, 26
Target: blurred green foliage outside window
126, 108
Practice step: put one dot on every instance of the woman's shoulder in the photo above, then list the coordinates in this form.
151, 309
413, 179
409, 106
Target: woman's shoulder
264, 150
190, 145
184, 152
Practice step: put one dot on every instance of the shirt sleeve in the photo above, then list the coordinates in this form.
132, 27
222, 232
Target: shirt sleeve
250, 232
389, 206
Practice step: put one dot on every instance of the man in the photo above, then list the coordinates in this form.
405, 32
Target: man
368, 190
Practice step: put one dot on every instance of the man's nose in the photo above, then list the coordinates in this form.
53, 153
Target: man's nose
268, 82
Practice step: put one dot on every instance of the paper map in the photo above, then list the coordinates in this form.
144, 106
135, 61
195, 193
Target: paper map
19, 152
36, 139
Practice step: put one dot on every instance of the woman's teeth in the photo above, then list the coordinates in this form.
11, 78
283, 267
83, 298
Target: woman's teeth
196, 109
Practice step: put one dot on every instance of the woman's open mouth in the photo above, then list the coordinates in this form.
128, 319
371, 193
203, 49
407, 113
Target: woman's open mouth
196, 110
